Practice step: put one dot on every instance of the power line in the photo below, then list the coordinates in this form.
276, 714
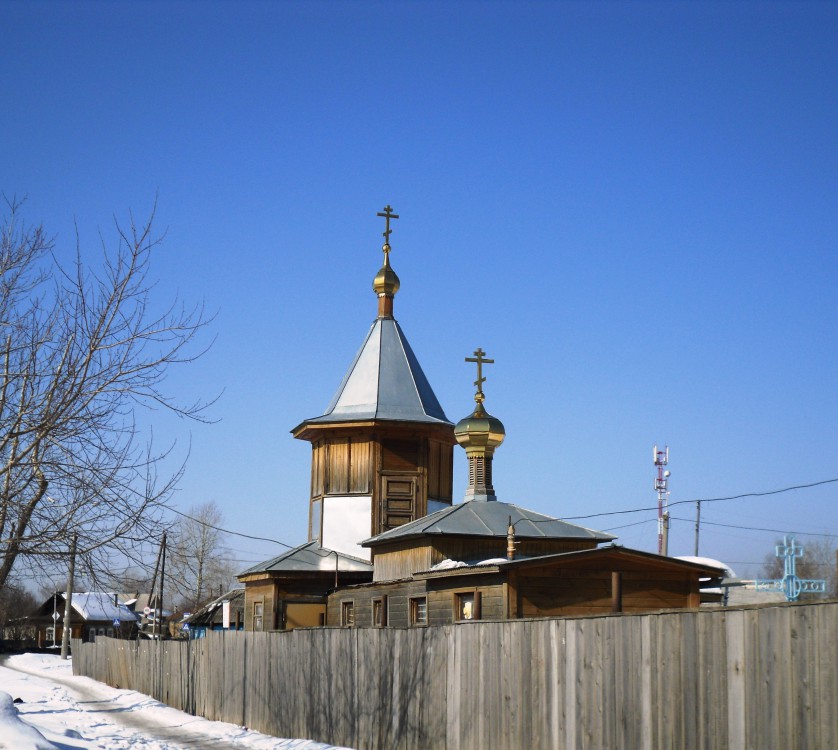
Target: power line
757, 528
592, 515
756, 494
627, 525
228, 531
250, 536
706, 500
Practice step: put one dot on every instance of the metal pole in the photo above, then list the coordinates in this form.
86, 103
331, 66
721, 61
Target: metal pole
697, 523
68, 608
665, 549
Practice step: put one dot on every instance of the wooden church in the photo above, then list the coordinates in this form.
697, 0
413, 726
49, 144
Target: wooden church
386, 546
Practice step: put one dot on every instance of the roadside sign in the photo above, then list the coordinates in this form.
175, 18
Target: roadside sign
116, 622
147, 611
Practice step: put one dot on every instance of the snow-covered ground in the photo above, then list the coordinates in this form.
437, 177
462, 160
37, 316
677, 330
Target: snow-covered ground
58, 711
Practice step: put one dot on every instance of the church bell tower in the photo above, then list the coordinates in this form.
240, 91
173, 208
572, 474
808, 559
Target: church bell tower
382, 452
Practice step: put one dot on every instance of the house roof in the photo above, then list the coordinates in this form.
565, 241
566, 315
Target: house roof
96, 605
91, 606
384, 382
477, 518
612, 552
310, 558
207, 614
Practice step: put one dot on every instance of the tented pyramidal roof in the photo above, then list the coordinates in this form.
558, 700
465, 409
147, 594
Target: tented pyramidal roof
384, 381
477, 518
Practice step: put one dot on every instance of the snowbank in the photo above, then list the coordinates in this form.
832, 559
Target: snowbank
16, 734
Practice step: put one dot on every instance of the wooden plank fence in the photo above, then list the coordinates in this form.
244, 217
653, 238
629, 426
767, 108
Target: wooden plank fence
759, 677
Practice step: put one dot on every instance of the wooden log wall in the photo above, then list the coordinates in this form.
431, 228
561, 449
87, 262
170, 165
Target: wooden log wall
761, 677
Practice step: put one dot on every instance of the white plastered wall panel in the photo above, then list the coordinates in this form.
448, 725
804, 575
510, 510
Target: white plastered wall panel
346, 523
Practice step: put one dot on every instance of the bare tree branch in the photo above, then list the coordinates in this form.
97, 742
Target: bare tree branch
81, 349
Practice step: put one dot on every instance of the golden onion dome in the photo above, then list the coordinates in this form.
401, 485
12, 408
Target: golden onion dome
480, 429
386, 281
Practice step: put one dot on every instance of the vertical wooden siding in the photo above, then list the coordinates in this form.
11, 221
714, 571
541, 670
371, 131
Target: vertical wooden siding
751, 678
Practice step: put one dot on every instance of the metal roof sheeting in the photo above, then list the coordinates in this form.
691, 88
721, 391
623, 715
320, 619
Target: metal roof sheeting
481, 518
310, 558
384, 381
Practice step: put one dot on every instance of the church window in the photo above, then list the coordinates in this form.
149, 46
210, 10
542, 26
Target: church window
347, 614
419, 611
258, 615
379, 612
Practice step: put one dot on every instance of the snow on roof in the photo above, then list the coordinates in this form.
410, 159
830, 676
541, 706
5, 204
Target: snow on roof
708, 561
97, 605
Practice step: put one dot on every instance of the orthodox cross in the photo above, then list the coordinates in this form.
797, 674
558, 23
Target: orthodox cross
480, 358
790, 584
387, 215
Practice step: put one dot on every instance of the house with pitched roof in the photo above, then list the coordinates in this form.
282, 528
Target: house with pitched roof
92, 613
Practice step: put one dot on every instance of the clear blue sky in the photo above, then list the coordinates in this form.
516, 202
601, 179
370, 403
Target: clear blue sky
632, 207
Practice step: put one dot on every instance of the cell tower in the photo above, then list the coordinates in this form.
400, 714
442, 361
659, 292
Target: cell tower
661, 481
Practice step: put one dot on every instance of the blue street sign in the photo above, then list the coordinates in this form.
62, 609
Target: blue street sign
116, 622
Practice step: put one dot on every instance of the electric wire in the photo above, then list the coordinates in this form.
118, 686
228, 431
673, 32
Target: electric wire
705, 500
755, 528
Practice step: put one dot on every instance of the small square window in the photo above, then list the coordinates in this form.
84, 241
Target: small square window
419, 611
347, 614
379, 612
467, 606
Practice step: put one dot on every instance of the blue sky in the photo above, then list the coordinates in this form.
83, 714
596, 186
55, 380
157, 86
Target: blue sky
631, 207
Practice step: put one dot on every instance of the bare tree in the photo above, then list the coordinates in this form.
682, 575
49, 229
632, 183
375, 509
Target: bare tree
81, 349
15, 604
200, 562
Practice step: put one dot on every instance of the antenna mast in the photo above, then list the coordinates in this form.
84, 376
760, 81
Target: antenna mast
661, 480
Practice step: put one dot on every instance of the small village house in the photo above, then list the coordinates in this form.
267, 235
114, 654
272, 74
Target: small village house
92, 614
225, 612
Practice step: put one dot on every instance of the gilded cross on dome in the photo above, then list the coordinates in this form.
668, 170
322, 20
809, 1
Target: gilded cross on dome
480, 358
387, 215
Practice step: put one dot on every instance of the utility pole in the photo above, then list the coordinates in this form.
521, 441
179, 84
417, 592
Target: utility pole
162, 579
68, 607
697, 523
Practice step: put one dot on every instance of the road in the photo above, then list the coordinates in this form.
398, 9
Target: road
83, 711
